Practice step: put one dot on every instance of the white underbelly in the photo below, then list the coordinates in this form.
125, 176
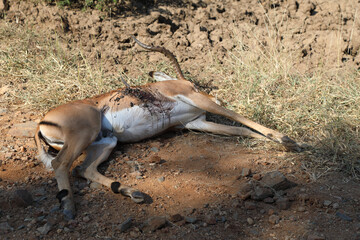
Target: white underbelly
138, 122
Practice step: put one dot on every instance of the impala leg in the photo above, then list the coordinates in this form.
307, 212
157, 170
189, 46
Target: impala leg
97, 153
201, 124
61, 165
204, 102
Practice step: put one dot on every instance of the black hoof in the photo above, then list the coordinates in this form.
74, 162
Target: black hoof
137, 197
63, 193
115, 187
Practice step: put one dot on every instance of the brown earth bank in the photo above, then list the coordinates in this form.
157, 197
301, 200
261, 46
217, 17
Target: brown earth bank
198, 186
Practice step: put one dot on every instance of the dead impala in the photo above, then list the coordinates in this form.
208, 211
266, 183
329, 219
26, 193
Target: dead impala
94, 126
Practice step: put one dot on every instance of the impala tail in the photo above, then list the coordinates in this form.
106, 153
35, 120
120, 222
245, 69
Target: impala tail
43, 156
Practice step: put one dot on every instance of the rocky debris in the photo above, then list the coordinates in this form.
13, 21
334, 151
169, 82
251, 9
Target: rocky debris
327, 203
21, 198
210, 219
245, 172
190, 219
176, 218
250, 221
155, 159
246, 189
127, 224
250, 205
45, 229
276, 180
260, 193
154, 223
161, 179
274, 219
26, 129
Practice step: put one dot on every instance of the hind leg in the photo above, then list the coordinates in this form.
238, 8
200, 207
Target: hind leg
97, 153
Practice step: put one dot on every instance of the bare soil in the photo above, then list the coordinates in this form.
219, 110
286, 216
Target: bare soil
195, 175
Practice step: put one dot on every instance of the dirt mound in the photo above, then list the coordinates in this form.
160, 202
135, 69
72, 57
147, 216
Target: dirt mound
313, 33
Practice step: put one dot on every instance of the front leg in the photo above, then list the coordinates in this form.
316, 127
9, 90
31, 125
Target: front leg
97, 153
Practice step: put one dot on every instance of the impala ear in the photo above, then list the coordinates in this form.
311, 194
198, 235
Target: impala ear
160, 76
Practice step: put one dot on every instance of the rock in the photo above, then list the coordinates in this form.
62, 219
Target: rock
44, 229
327, 203
274, 219
21, 198
155, 159
210, 220
154, 149
301, 209
257, 176
245, 190
126, 224
5, 227
335, 205
283, 203
26, 129
261, 193
161, 179
250, 221
276, 180
86, 219
245, 172
154, 223
315, 237
95, 185
176, 218
344, 216
250, 205
190, 219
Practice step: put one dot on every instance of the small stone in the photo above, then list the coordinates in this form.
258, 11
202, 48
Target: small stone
250, 205
154, 223
327, 203
271, 211
283, 203
303, 197
126, 224
134, 234
44, 229
190, 219
154, 149
335, 205
245, 172
301, 209
155, 159
292, 218
95, 185
257, 176
176, 218
86, 219
277, 181
261, 193
274, 219
210, 220
250, 221
161, 179
245, 190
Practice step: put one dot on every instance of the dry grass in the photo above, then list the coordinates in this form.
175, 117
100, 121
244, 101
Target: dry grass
36, 66
320, 109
